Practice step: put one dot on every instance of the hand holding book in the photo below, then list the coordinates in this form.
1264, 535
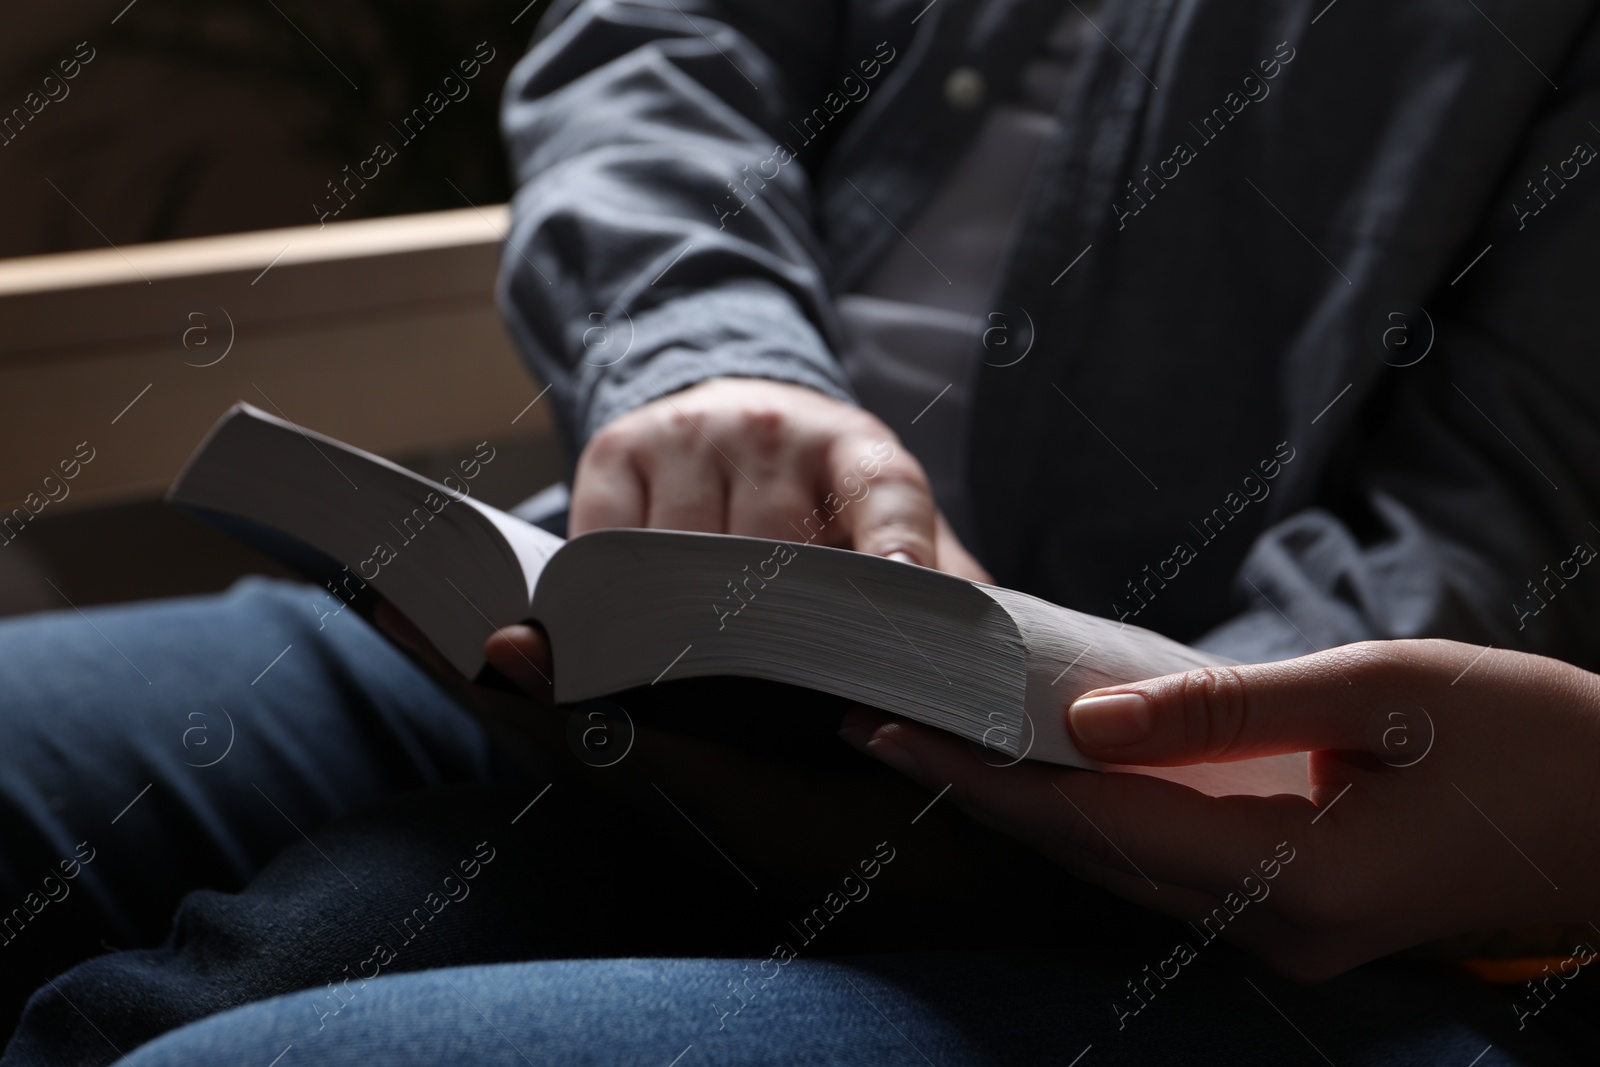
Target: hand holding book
1427, 818
621, 609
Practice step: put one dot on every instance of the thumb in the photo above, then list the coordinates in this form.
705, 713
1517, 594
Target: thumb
522, 653
895, 513
1331, 700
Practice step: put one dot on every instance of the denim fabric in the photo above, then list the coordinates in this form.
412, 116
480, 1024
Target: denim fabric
876, 1011
869, 1011
463, 923
181, 744
436, 878
346, 899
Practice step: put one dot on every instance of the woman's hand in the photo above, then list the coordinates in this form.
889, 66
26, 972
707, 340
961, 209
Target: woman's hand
1453, 790
765, 459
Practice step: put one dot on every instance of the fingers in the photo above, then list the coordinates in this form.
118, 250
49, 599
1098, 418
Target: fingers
522, 654
1216, 714
895, 512
781, 511
1162, 833
772, 489
686, 491
765, 459
607, 490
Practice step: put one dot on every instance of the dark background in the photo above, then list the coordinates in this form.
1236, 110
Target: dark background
204, 117
200, 117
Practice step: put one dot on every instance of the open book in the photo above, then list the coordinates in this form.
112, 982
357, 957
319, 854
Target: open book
627, 608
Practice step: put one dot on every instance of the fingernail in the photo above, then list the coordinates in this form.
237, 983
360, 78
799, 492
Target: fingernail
901, 557
1111, 721
895, 756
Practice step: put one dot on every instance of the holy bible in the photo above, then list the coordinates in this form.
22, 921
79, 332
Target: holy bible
628, 608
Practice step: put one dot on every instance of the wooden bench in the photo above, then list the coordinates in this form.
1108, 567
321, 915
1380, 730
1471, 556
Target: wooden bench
381, 332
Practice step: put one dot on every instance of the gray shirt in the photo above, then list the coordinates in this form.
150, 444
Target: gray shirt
930, 306
1209, 436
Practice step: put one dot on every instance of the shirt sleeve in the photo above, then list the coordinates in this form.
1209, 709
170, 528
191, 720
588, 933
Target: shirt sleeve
662, 233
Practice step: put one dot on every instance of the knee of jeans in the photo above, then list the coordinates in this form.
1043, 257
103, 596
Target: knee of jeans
313, 612
298, 596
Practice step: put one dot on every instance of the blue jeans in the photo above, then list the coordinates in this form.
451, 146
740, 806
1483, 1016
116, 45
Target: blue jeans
235, 830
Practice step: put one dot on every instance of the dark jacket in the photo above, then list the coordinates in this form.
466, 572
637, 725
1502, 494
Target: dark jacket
1281, 204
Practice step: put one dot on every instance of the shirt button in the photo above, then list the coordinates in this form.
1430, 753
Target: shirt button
964, 88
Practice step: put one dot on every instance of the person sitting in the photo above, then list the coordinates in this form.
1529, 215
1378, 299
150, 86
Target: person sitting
1249, 358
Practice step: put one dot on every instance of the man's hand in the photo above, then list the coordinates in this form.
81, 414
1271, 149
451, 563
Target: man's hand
753, 457
765, 459
1453, 792
742, 456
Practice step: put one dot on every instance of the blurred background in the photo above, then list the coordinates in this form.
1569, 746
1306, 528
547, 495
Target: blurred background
196, 215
